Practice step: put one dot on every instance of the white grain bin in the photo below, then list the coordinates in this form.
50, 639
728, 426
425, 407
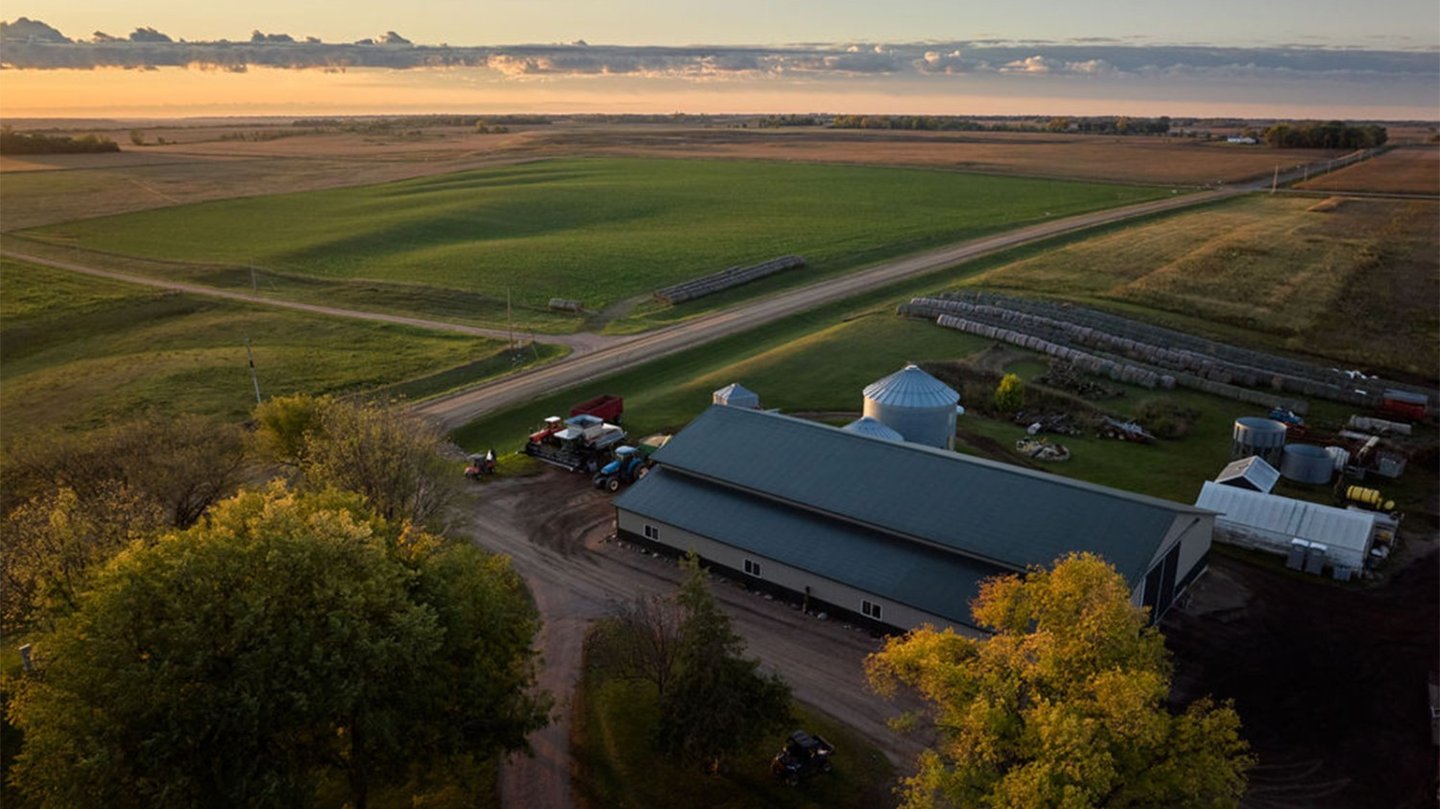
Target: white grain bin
1306, 463
1258, 436
868, 426
916, 405
737, 395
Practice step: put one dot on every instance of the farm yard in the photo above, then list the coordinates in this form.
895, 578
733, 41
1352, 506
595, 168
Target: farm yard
536, 230
80, 353
1406, 170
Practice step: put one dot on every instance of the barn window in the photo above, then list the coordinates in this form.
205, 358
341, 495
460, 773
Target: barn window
870, 609
651, 532
752, 568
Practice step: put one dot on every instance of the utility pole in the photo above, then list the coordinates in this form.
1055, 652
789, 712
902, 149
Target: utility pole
254, 380
509, 324
1275, 182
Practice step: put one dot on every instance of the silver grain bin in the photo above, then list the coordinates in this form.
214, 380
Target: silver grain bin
1258, 436
737, 395
916, 405
1306, 463
868, 426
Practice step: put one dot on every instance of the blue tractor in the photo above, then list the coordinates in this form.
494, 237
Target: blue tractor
629, 465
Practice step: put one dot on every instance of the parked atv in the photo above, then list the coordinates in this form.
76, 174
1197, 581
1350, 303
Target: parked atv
801, 757
481, 465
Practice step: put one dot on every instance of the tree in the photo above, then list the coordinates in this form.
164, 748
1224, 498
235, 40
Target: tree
1009, 394
718, 702
639, 640
1063, 706
234, 663
389, 456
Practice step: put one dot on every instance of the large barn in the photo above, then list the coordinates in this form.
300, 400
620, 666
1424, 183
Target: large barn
890, 534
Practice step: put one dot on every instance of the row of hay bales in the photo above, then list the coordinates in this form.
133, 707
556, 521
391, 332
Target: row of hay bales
1150, 334
725, 279
1114, 367
1180, 360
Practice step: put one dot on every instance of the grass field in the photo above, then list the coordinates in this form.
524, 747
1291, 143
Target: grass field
617, 770
1354, 282
78, 353
597, 230
1406, 170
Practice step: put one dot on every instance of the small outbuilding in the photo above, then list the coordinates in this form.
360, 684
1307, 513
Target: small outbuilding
736, 395
1251, 473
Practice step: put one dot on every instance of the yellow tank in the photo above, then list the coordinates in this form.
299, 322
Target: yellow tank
1369, 497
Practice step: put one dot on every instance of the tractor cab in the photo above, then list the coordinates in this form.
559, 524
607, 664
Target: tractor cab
622, 456
550, 427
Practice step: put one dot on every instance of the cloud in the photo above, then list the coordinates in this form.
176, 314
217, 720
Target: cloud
1080, 59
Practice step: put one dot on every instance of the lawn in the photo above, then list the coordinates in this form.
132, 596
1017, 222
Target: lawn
78, 353
1354, 282
600, 230
616, 768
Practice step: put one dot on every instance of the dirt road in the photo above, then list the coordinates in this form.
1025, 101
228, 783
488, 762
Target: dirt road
457, 409
553, 526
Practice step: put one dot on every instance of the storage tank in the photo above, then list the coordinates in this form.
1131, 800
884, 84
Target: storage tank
737, 395
1258, 436
1306, 463
916, 405
868, 426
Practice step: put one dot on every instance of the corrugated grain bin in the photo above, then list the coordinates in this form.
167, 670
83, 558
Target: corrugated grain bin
736, 395
1306, 463
1255, 435
916, 405
873, 428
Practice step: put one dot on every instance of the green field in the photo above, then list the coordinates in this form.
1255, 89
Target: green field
78, 352
597, 230
1355, 282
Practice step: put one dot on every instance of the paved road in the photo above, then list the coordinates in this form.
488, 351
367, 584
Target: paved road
457, 409
581, 343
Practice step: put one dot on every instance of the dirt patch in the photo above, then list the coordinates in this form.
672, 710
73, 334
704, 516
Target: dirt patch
1329, 680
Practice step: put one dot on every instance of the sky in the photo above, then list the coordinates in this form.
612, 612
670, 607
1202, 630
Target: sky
1279, 58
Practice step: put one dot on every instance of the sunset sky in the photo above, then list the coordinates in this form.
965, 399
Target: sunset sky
1283, 58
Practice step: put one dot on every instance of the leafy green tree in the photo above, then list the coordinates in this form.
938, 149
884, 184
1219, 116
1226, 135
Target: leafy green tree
718, 702
387, 455
639, 640
1010, 394
290, 635
1064, 706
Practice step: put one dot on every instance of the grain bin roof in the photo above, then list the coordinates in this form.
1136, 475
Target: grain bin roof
911, 387
991, 512
873, 428
1253, 471
904, 572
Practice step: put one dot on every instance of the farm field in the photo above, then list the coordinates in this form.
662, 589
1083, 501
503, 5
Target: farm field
1352, 280
77, 353
207, 159
1405, 170
602, 231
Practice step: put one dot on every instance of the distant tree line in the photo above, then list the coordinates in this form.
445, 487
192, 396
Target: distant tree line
910, 122
12, 142
376, 124
1118, 125
776, 121
1328, 135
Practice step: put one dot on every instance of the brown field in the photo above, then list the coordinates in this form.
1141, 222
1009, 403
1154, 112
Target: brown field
1356, 280
1406, 170
197, 165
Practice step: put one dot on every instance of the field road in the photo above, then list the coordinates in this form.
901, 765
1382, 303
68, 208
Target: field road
579, 343
459, 408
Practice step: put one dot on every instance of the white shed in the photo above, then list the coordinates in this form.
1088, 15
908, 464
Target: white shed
1269, 522
736, 395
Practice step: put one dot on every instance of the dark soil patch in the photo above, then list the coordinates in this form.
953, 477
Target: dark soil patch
1329, 680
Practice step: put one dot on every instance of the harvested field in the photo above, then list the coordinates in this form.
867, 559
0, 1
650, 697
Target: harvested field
79, 352
1404, 170
1354, 284
595, 230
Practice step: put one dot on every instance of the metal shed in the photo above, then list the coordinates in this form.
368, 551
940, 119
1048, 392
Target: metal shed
916, 405
736, 395
1249, 473
868, 426
1269, 522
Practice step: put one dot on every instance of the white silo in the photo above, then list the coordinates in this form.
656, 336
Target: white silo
868, 426
915, 405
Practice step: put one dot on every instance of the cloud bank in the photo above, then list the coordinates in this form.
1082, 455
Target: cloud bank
1076, 59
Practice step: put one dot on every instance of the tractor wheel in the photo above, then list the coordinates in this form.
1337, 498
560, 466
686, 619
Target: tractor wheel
612, 484
598, 481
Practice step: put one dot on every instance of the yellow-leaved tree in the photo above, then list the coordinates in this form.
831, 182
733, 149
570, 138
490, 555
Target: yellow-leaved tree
1063, 706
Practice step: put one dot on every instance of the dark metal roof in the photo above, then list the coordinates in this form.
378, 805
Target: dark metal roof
911, 387
989, 511
904, 572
